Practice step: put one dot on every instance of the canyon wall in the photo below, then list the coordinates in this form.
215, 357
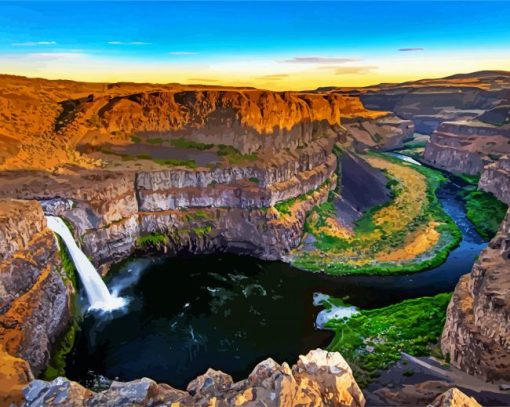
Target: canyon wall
466, 147
197, 211
495, 179
34, 295
476, 336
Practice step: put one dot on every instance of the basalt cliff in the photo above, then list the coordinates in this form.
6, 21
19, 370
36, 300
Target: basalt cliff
476, 336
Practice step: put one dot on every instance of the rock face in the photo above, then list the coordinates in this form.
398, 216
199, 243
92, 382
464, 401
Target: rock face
454, 398
496, 179
318, 379
197, 210
34, 300
476, 335
467, 146
386, 133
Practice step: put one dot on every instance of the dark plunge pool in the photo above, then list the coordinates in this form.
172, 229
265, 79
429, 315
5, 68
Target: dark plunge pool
230, 312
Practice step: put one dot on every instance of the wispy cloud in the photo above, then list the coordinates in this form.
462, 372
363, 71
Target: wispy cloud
319, 60
202, 80
350, 70
33, 43
274, 77
411, 49
128, 43
183, 53
54, 56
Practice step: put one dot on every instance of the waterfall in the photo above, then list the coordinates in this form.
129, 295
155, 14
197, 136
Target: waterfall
97, 293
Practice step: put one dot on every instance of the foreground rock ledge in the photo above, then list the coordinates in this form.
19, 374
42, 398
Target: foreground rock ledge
320, 378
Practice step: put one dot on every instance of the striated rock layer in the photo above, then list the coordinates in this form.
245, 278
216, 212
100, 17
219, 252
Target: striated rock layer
318, 379
476, 335
495, 178
34, 299
466, 147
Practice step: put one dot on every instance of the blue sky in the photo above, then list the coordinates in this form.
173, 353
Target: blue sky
268, 44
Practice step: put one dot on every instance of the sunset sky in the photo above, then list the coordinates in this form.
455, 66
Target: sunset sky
290, 45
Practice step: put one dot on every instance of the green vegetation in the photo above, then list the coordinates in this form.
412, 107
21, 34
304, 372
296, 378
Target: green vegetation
57, 364
202, 230
484, 211
410, 233
255, 180
136, 139
284, 207
184, 143
155, 140
374, 339
152, 240
233, 155
470, 179
176, 163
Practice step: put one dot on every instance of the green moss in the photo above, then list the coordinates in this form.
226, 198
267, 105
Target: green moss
151, 240
484, 211
155, 140
65, 343
233, 155
177, 163
184, 143
284, 207
197, 214
202, 230
470, 179
255, 180
374, 339
136, 139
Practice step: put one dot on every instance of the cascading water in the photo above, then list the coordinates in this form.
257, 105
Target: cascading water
97, 293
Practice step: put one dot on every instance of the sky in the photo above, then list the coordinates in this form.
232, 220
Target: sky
271, 45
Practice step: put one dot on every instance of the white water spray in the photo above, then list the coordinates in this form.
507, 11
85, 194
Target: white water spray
97, 292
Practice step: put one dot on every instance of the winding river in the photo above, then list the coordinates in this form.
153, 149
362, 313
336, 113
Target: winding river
230, 312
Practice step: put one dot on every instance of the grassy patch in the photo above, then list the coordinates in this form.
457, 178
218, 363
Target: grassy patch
152, 240
155, 140
470, 179
184, 143
233, 155
484, 211
410, 233
202, 230
176, 163
285, 207
373, 339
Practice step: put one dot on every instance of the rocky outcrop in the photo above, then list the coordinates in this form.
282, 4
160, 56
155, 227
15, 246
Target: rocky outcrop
454, 398
386, 133
466, 147
476, 336
318, 379
34, 300
495, 179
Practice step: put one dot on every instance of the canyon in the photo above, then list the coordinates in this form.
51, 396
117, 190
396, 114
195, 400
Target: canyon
79, 151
